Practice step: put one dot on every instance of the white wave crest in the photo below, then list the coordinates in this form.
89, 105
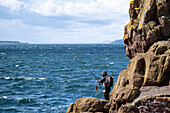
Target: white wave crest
112, 63
7, 78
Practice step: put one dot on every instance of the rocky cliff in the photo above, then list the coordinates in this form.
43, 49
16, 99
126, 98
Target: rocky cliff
149, 23
144, 85
145, 69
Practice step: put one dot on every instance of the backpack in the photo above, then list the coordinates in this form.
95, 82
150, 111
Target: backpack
110, 81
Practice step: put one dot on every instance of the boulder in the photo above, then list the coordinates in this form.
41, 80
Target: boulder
89, 104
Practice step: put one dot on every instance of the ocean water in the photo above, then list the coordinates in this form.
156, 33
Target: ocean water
47, 78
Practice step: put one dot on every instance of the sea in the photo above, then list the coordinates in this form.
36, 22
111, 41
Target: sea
47, 78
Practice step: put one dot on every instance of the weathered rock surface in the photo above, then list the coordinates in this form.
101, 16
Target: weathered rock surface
150, 57
149, 23
89, 104
145, 69
152, 104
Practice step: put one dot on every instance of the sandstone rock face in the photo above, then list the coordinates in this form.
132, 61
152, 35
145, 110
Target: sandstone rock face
158, 64
150, 57
149, 23
89, 104
145, 69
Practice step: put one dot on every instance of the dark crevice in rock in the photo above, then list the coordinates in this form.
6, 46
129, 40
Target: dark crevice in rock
141, 65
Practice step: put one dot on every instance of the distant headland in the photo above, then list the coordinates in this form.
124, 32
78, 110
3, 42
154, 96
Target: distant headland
11, 42
117, 42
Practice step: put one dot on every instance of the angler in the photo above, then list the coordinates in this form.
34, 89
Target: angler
106, 81
107, 84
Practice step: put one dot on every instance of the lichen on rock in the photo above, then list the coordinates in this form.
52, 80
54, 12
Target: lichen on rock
149, 23
147, 44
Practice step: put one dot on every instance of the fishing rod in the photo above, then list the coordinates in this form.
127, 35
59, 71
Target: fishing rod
89, 71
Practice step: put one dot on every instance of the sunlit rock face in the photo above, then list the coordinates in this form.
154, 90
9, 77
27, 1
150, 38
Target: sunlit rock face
149, 23
147, 44
145, 69
89, 104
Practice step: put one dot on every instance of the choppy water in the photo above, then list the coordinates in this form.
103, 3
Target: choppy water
47, 78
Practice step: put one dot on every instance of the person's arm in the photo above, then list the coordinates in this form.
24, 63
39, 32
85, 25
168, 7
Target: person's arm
101, 81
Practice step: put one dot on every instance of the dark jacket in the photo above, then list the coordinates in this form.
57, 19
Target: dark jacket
105, 86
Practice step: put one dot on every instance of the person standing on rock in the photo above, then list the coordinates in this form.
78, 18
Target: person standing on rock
107, 83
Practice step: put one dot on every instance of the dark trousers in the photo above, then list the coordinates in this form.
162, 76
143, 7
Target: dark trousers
106, 95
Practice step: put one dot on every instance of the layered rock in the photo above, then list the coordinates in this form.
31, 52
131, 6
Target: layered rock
149, 23
153, 104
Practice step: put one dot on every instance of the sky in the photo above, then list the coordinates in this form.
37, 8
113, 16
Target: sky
63, 21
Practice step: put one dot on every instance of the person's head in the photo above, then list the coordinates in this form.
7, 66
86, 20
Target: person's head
104, 73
